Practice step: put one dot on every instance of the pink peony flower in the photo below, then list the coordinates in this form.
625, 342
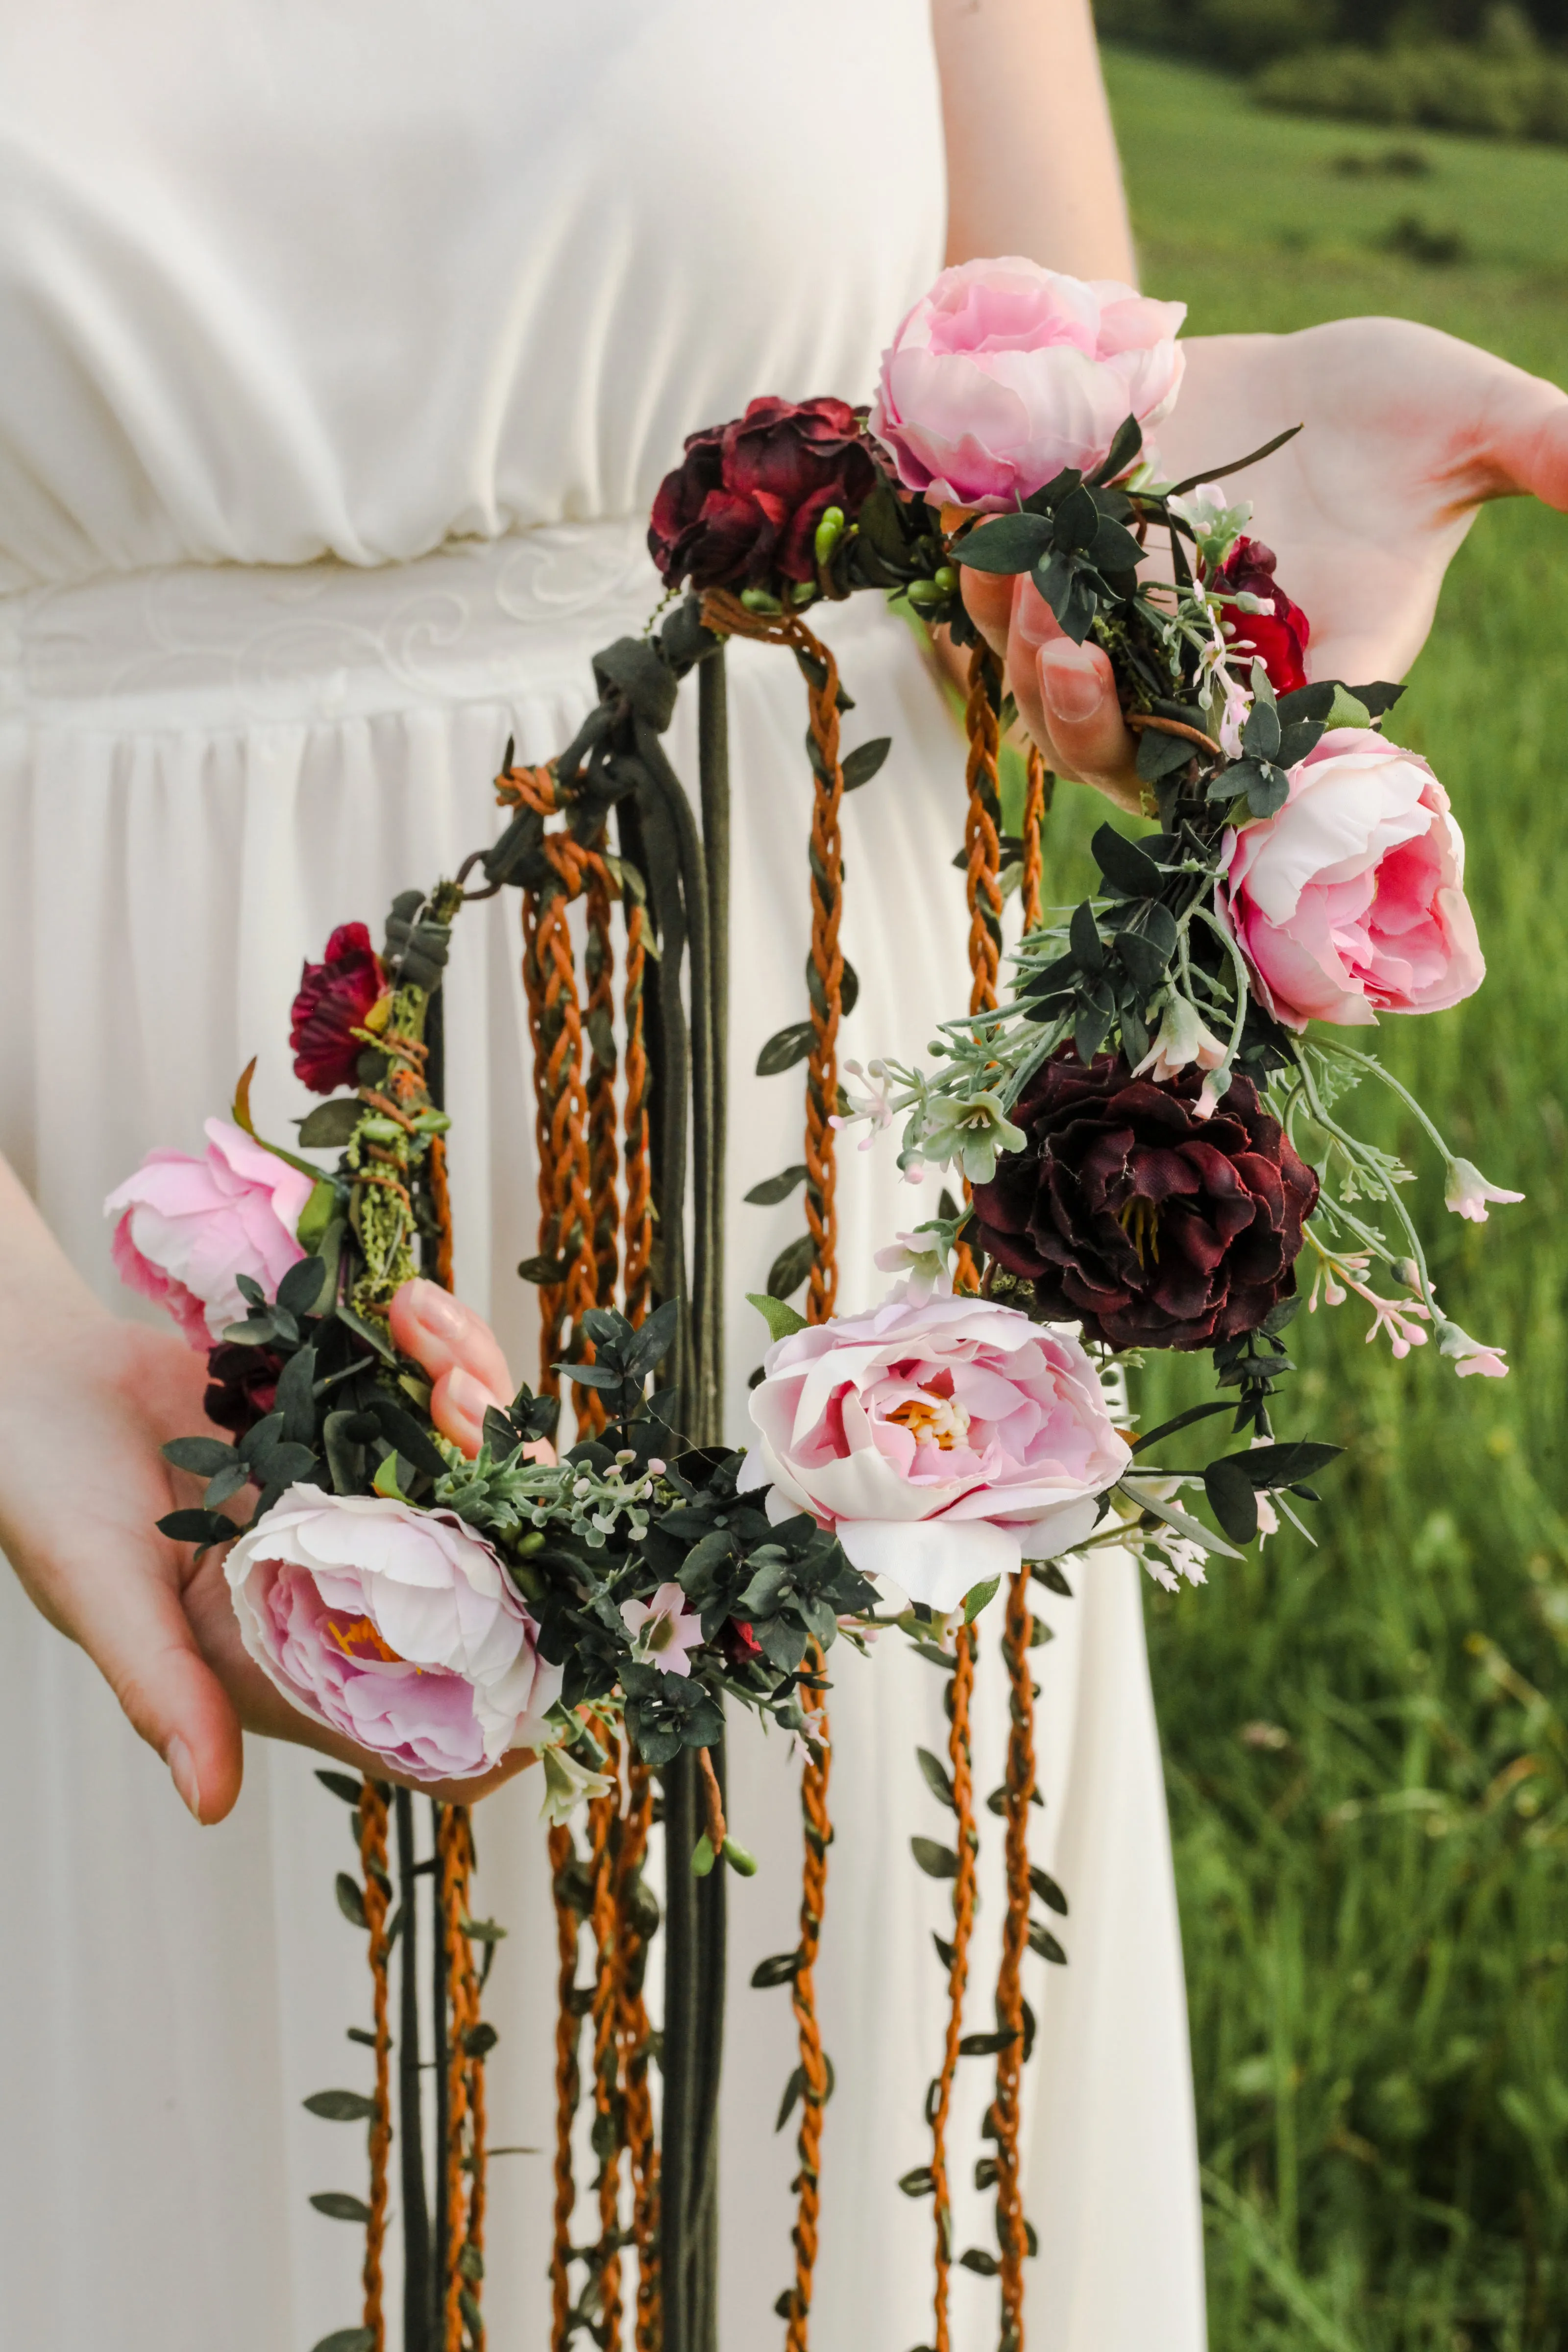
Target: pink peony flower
398, 1628
187, 1229
1005, 372
945, 1440
1350, 901
666, 1630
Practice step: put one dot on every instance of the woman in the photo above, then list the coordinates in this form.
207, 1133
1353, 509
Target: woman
345, 351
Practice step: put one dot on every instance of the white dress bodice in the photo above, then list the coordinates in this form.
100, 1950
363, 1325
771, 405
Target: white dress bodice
281, 279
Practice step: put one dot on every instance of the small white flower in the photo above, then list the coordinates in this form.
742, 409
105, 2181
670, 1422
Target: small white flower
972, 1133
567, 1785
1467, 1191
1468, 1356
665, 1631
1183, 1040
922, 1260
1215, 526
872, 1104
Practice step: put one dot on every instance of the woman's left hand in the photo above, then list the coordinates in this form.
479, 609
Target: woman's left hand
1407, 432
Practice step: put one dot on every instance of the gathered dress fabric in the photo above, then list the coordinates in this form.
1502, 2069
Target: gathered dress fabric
344, 347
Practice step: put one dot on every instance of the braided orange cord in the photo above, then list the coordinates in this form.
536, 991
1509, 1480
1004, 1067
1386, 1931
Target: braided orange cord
983, 852
1037, 798
478, 2177
639, 1183
642, 2144
566, 2088
725, 613
441, 1201
961, 1688
603, 1821
982, 846
1020, 1789
452, 1852
722, 612
813, 2063
373, 1859
599, 967
566, 1215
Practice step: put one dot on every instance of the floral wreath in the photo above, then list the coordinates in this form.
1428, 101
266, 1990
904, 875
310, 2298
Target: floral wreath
1140, 1107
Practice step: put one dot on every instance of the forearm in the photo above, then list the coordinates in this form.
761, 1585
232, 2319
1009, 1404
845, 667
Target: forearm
1031, 157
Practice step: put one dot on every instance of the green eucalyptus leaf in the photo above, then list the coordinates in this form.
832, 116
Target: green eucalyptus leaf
786, 1048
860, 765
777, 1313
790, 1267
301, 1285
1009, 542
936, 1861
775, 1189
206, 1457
338, 2207
340, 2107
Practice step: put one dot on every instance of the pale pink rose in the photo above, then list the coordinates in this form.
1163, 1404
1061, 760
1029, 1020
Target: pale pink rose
1350, 901
945, 1441
665, 1630
398, 1628
1005, 372
187, 1229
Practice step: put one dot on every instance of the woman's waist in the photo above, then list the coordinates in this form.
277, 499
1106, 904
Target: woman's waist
227, 645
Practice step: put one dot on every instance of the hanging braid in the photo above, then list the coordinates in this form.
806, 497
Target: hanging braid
604, 1823
1011, 2235
961, 1689
642, 2144
1037, 797
983, 854
562, 1855
372, 1860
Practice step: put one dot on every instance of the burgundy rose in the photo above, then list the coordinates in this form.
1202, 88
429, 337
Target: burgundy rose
1279, 637
738, 1645
243, 1385
740, 511
334, 997
1149, 1226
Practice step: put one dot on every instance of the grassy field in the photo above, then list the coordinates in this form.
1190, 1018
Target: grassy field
1366, 1744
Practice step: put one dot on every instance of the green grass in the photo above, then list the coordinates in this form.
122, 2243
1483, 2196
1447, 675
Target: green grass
1366, 1744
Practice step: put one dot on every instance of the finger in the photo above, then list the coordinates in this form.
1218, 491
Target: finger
439, 1332
143, 1644
988, 601
458, 1403
1528, 427
1066, 696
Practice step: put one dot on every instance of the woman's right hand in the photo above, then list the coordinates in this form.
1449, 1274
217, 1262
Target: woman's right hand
86, 1402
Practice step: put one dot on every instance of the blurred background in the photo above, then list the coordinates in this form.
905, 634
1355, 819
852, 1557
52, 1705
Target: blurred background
1367, 1743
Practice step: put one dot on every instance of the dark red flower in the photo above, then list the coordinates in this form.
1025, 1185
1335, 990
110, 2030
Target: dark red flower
740, 511
1149, 1226
1279, 637
243, 1385
738, 1644
334, 997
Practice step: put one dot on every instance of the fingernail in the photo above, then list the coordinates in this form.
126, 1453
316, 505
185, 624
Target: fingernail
436, 1311
1070, 682
459, 1407
182, 1772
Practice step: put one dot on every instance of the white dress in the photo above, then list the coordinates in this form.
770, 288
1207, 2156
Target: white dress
343, 346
